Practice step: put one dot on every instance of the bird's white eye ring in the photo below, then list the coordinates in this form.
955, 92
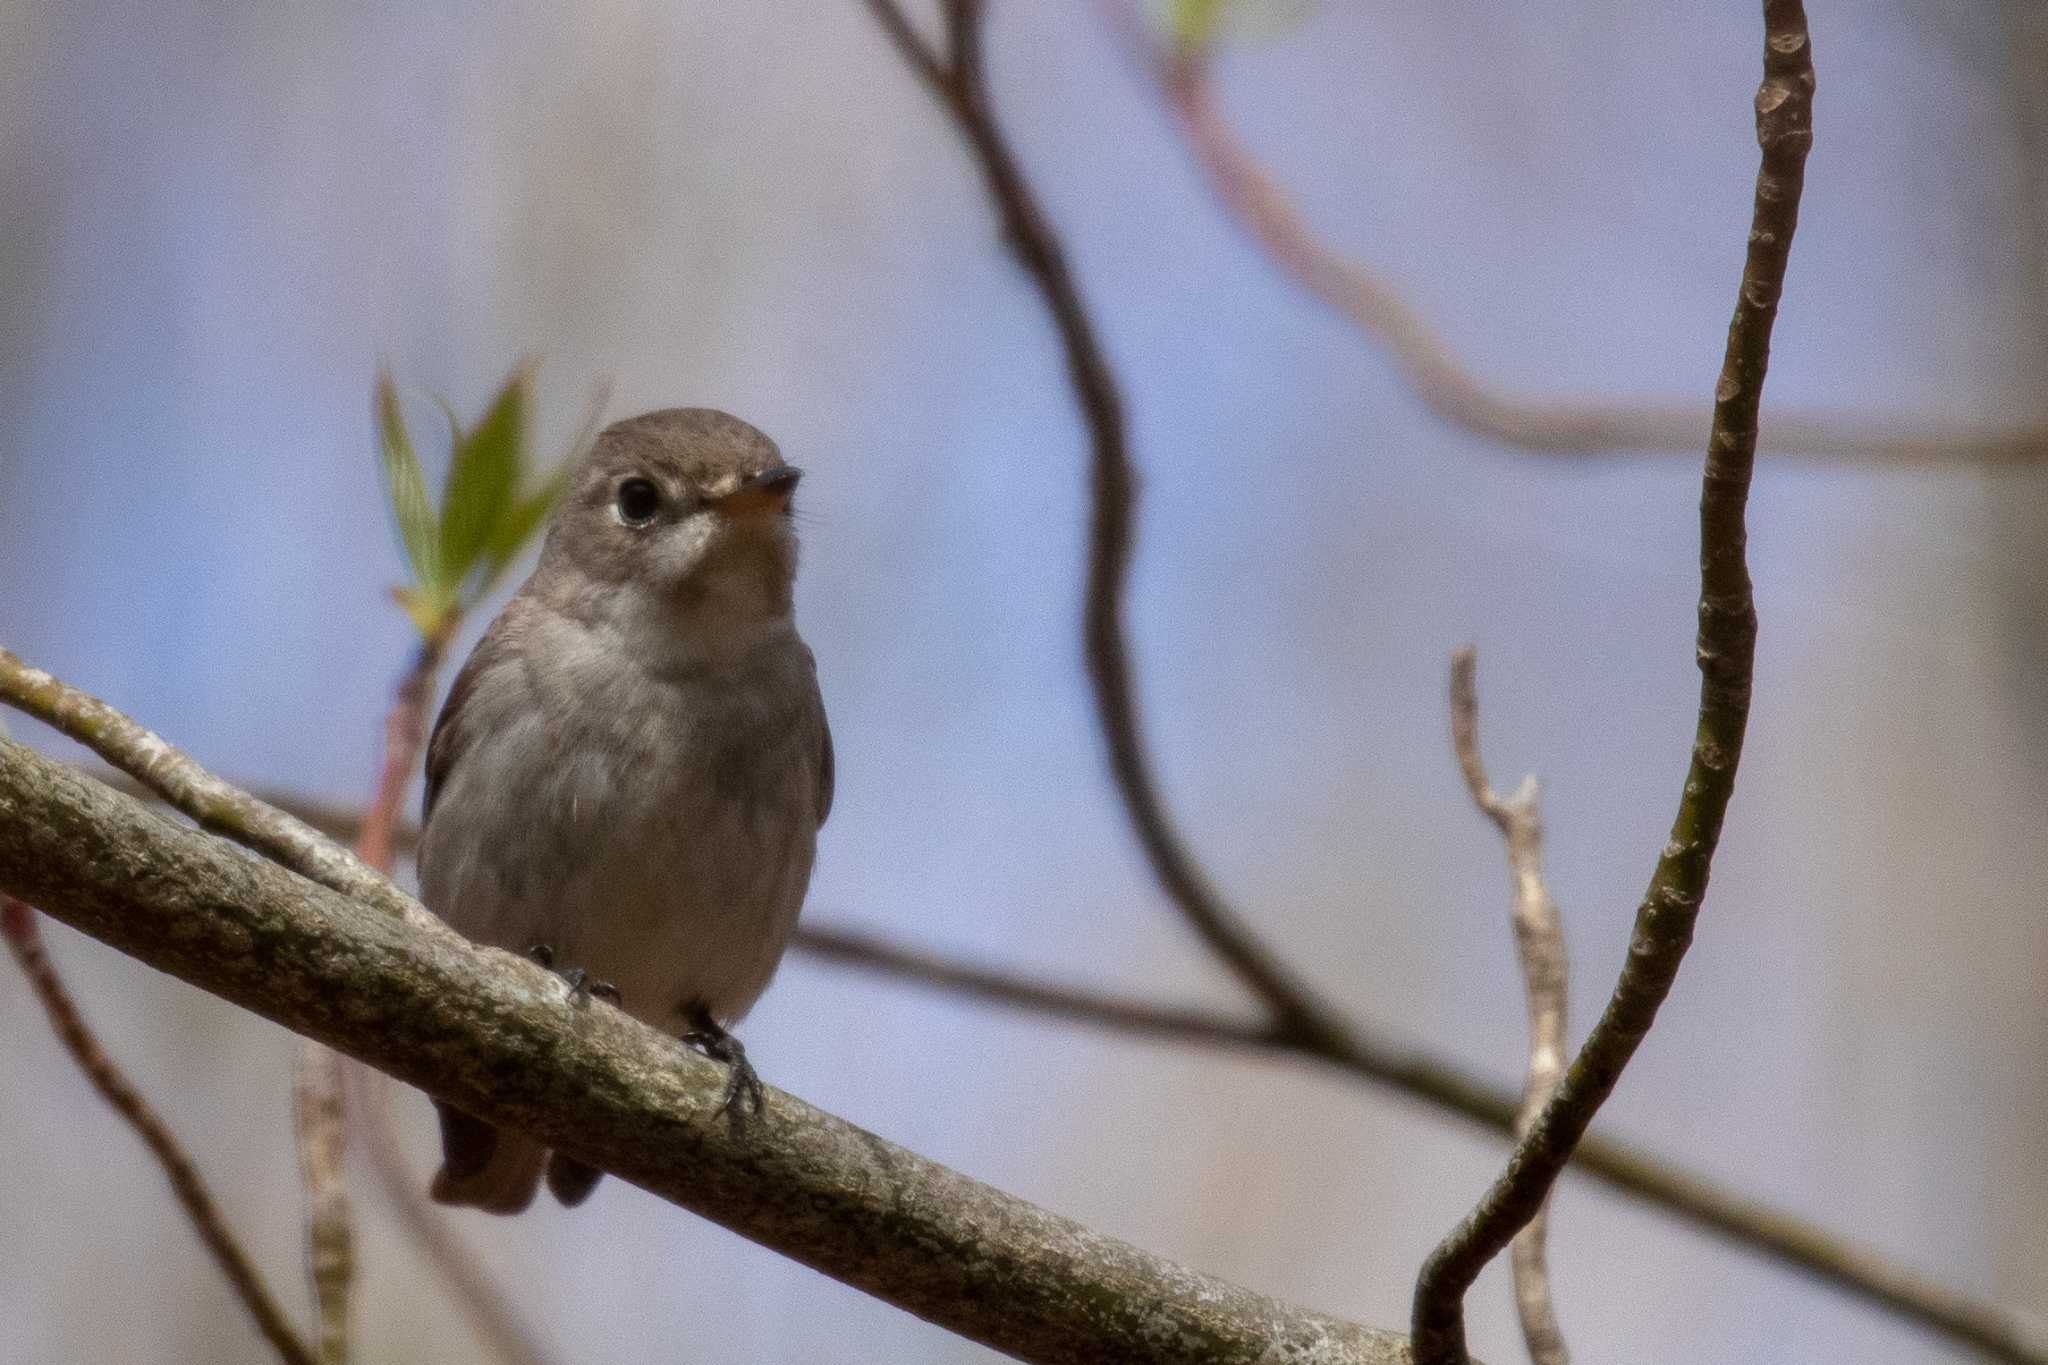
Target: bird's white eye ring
638, 501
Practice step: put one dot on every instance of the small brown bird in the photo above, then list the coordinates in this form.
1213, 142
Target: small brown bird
629, 774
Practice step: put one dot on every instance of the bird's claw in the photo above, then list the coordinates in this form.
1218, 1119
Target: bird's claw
744, 1098
581, 987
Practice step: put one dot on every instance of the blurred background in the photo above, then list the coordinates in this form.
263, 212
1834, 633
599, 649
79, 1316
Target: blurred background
216, 217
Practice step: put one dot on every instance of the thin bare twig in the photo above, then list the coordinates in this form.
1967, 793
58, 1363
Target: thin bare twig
1797, 1243
1539, 943
1263, 209
319, 1118
24, 939
216, 806
1726, 651
320, 1093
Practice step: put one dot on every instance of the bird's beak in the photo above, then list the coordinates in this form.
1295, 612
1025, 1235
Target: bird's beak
767, 491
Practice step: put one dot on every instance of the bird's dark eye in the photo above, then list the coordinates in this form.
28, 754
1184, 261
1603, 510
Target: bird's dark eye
639, 500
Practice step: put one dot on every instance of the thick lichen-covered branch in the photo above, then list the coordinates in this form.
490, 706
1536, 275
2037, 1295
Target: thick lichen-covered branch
496, 1035
1726, 651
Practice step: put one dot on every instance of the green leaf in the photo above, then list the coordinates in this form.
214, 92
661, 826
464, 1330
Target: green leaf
433, 612
1193, 22
1197, 25
404, 486
517, 526
526, 515
483, 480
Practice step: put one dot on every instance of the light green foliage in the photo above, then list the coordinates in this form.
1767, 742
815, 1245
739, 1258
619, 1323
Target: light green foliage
1196, 25
1193, 22
488, 511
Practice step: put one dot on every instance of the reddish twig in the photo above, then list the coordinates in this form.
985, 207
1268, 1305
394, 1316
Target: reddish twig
1265, 211
1726, 651
24, 939
379, 836
319, 1094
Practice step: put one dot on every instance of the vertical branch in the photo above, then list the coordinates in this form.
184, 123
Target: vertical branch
1726, 653
959, 84
318, 1085
24, 939
1539, 943
491, 1315
319, 1093
360, 1095
319, 1120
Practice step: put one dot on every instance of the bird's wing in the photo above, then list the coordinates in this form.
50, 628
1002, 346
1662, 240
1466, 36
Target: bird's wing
825, 771
451, 736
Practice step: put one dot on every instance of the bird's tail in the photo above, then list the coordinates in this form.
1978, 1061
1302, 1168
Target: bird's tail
485, 1167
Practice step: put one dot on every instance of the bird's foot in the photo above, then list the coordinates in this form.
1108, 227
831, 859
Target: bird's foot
744, 1097
581, 987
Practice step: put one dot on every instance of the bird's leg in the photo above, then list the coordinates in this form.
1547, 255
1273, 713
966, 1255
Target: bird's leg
744, 1097
581, 987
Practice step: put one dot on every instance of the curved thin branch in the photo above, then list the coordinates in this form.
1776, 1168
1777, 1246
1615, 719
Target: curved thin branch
1539, 943
25, 941
1727, 653
960, 87
217, 806
1265, 212
498, 1036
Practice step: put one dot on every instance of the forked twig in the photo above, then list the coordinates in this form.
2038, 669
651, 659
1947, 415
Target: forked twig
1727, 650
1539, 944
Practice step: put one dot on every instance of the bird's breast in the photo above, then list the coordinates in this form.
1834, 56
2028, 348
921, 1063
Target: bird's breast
658, 833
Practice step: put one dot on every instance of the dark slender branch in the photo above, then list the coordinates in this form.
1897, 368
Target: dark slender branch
25, 941
1797, 1243
1727, 646
1170, 1023
498, 1036
1539, 944
961, 89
